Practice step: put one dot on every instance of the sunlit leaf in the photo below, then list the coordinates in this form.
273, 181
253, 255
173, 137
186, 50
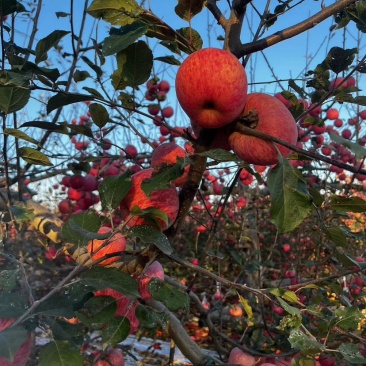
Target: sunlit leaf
33, 156
116, 12
19, 135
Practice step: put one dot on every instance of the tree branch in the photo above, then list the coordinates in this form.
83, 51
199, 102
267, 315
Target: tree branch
179, 335
216, 12
241, 50
238, 126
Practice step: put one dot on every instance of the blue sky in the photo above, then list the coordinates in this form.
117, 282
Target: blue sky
287, 59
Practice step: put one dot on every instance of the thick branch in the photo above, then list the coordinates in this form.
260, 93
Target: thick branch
244, 49
179, 335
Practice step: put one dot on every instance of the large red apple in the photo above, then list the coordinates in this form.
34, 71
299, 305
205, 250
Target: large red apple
274, 119
166, 200
211, 86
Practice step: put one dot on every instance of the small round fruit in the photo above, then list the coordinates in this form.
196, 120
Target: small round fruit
211, 86
238, 357
332, 114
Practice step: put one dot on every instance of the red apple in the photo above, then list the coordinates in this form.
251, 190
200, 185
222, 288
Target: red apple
166, 155
238, 357
155, 270
131, 151
211, 86
116, 245
166, 200
113, 357
273, 119
236, 311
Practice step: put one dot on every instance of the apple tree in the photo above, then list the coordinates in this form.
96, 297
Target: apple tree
234, 221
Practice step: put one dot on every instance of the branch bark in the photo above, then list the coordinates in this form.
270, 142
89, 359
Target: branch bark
240, 50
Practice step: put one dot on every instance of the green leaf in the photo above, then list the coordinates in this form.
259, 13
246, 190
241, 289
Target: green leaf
99, 114
306, 345
11, 6
148, 234
9, 279
172, 297
170, 60
80, 76
61, 14
97, 312
59, 306
33, 156
358, 150
290, 198
147, 317
163, 179
336, 235
21, 212
19, 135
347, 204
348, 318
12, 305
117, 331
46, 43
220, 155
351, 353
78, 129
339, 60
116, 12
123, 37
345, 259
93, 66
101, 278
13, 99
93, 92
192, 36
187, 9
114, 189
59, 353
134, 66
151, 215
81, 228
10, 341
46, 126
60, 99
64, 331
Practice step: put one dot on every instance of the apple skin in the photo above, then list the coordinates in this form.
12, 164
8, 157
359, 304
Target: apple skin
155, 270
166, 155
211, 87
116, 245
166, 200
273, 119
238, 357
114, 357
